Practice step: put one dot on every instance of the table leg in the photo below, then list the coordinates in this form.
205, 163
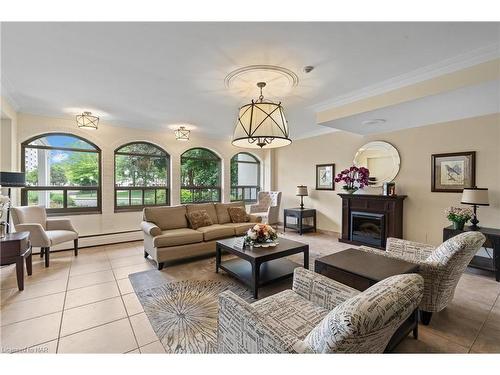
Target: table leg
314, 221
217, 258
29, 264
300, 224
255, 278
306, 258
284, 223
496, 259
20, 272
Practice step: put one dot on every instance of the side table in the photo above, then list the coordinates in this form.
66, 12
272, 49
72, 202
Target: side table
492, 240
15, 248
300, 214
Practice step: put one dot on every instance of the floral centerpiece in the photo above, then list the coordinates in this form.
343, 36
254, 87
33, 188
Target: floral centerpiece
4, 203
261, 235
354, 178
458, 216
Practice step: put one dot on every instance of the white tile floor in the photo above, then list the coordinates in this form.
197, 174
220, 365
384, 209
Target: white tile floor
82, 304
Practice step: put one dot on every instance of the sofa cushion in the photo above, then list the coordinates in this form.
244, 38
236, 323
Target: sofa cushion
175, 237
238, 215
166, 217
216, 231
240, 228
209, 207
290, 313
198, 219
222, 212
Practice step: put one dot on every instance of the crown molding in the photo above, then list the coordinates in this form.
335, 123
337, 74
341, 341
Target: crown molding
463, 61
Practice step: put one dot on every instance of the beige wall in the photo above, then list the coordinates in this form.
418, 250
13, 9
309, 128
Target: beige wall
108, 138
423, 215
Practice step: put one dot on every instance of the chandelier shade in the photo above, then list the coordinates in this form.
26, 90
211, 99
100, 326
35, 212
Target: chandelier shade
261, 124
87, 121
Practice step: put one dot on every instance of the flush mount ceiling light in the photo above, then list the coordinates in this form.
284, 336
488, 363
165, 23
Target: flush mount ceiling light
261, 123
182, 134
87, 121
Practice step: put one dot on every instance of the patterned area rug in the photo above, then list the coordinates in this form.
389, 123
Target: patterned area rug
184, 314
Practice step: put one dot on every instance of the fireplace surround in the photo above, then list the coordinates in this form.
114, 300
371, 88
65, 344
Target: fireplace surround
369, 219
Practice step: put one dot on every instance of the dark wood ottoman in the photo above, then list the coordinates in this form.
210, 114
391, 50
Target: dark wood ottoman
360, 270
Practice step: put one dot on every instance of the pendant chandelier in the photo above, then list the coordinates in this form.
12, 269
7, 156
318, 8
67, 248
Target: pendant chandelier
182, 134
87, 121
260, 124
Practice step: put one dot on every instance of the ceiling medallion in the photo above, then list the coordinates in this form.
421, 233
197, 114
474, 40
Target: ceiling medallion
182, 134
87, 121
261, 123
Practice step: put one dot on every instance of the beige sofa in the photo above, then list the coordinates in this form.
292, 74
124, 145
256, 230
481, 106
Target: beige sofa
168, 237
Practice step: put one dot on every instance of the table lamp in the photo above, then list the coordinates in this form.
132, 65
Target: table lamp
302, 192
475, 197
11, 180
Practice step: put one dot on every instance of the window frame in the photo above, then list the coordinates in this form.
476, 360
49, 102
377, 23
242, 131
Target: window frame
65, 210
167, 187
198, 188
244, 187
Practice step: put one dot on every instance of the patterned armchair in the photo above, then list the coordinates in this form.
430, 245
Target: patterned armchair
440, 267
318, 315
267, 206
44, 232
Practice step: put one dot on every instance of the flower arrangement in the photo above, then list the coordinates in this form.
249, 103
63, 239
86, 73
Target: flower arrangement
458, 216
354, 178
4, 203
260, 234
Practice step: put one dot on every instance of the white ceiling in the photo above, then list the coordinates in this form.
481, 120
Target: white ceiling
151, 75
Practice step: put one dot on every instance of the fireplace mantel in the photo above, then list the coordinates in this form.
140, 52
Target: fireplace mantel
389, 206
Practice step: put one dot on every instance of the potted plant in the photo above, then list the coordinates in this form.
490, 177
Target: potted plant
261, 235
458, 216
354, 178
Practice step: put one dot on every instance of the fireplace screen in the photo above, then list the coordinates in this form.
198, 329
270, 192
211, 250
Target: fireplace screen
368, 228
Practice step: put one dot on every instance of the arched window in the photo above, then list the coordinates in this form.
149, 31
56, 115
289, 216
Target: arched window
245, 177
63, 173
141, 176
200, 176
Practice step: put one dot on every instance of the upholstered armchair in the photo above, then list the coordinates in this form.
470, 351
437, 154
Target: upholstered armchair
440, 267
318, 315
44, 232
267, 206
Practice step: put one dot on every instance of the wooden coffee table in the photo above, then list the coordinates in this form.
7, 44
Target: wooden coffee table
259, 266
360, 270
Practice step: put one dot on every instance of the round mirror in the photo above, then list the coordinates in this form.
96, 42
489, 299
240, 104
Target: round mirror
381, 158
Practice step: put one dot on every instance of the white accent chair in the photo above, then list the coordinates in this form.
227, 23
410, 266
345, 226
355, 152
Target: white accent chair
44, 232
267, 206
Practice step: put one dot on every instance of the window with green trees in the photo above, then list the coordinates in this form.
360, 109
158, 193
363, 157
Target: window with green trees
141, 176
200, 176
245, 177
62, 173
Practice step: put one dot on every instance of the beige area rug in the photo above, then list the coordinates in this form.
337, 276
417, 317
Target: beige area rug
184, 314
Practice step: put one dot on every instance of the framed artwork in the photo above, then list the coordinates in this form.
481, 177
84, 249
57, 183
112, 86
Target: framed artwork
325, 173
453, 172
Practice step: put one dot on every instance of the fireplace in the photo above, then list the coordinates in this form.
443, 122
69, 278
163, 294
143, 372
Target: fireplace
368, 219
368, 228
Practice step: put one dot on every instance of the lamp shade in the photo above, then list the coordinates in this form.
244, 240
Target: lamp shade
12, 179
475, 196
302, 191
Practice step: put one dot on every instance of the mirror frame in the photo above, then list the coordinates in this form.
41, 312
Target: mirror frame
395, 157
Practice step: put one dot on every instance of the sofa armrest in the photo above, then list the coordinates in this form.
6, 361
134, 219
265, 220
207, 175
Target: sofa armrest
255, 218
60, 224
241, 329
150, 228
320, 289
38, 237
409, 249
273, 214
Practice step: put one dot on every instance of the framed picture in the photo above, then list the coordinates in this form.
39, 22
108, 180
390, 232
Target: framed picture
325, 173
453, 172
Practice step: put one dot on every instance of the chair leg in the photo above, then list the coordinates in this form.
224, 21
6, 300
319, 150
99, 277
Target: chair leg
145, 254
425, 317
47, 251
42, 250
160, 266
76, 247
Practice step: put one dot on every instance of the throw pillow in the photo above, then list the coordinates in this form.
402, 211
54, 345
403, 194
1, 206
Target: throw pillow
198, 219
238, 215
